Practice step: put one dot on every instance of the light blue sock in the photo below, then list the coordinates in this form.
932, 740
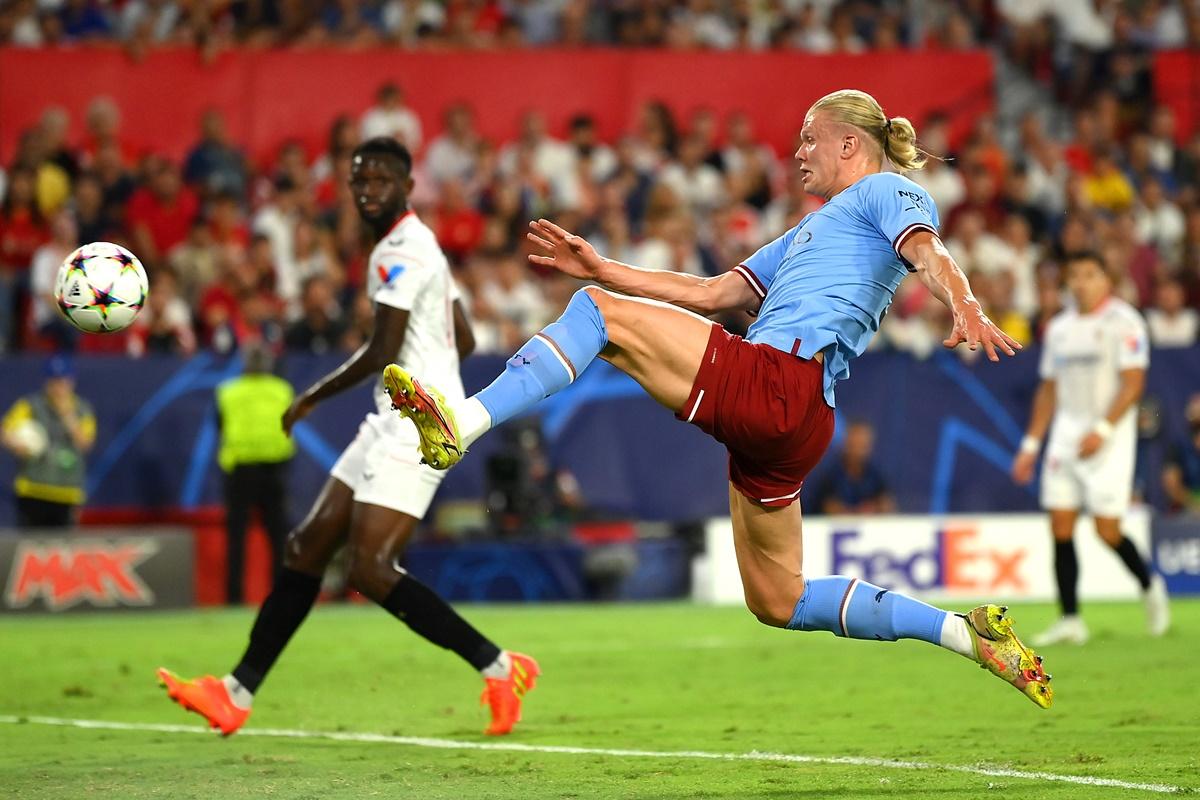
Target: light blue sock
549, 361
860, 610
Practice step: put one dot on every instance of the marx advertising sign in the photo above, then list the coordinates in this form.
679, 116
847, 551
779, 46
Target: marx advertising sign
89, 571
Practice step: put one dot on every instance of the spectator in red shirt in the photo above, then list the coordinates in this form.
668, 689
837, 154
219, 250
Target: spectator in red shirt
459, 225
160, 214
226, 224
22, 231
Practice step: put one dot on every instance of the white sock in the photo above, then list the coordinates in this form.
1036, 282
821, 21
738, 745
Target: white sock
472, 418
242, 697
498, 668
957, 636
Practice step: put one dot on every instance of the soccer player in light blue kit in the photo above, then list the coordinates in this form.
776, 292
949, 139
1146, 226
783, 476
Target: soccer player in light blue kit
820, 292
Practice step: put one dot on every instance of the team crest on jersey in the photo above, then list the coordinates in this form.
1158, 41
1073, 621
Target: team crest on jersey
389, 274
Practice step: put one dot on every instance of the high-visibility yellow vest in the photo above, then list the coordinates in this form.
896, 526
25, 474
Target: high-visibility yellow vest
251, 408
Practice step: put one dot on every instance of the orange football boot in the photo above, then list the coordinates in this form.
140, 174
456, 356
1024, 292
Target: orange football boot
504, 695
208, 697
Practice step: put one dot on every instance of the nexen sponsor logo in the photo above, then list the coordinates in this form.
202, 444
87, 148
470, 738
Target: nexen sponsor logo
953, 560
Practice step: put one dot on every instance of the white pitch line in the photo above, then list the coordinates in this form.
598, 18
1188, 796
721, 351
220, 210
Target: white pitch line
516, 747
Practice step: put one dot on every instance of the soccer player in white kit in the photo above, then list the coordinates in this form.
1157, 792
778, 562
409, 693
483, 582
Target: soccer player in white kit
378, 490
1093, 371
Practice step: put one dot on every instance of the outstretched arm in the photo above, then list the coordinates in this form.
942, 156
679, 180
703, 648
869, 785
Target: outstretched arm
573, 255
369, 360
925, 251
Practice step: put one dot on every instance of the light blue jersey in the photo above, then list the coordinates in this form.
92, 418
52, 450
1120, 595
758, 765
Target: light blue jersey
827, 282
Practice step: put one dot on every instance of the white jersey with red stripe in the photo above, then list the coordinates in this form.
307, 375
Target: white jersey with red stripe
1084, 354
408, 270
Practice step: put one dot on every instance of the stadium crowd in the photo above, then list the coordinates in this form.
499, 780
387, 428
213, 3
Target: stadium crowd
1043, 32
244, 251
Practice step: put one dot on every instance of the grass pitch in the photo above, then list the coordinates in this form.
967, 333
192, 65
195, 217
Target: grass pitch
646, 677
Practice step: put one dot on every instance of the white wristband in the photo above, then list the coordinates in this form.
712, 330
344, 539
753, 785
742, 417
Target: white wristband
1031, 444
1103, 429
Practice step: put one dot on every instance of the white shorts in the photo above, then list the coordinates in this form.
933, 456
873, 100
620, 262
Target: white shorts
383, 467
1101, 485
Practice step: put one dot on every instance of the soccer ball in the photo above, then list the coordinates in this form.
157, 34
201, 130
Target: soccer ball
101, 287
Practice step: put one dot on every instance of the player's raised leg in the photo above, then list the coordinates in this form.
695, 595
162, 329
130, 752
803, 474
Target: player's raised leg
226, 702
769, 548
378, 538
659, 345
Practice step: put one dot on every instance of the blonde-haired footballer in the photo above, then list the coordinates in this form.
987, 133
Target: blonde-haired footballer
1093, 371
819, 292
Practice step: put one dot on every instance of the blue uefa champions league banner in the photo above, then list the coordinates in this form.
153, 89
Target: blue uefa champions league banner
947, 432
1177, 553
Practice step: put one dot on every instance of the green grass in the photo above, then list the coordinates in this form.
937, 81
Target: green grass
658, 677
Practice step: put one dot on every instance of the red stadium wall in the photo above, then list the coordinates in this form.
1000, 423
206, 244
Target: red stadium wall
1177, 84
269, 97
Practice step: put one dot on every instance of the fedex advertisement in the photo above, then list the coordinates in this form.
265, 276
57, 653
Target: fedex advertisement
988, 556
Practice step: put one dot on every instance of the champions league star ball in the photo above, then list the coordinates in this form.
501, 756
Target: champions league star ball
101, 287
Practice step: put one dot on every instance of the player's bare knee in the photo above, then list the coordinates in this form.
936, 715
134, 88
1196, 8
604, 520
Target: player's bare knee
296, 556
773, 609
372, 573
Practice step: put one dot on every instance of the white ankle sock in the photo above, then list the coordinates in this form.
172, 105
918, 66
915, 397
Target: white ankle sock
498, 668
472, 418
957, 635
242, 697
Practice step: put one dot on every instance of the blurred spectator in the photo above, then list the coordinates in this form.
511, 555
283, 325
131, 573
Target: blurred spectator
91, 217
53, 131
1106, 186
854, 485
83, 20
161, 213
459, 225
1181, 475
276, 223
695, 182
1171, 323
343, 138
22, 231
103, 123
45, 319
153, 21
453, 154
165, 324
391, 117
537, 157
595, 158
320, 328
215, 166
1159, 221
50, 433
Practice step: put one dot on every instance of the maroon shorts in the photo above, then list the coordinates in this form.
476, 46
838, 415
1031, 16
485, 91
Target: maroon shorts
768, 408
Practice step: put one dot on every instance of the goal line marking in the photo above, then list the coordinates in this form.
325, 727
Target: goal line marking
517, 747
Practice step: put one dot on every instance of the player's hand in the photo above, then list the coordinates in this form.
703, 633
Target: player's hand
972, 326
1022, 468
300, 408
1090, 445
564, 251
